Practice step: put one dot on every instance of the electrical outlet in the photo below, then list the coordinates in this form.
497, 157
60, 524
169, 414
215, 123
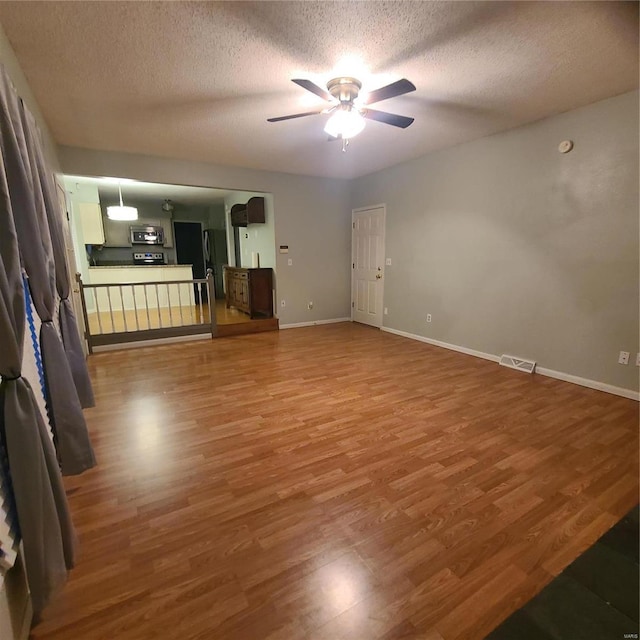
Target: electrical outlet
283, 303
388, 262
637, 359
310, 305
623, 358
386, 311
428, 317
290, 262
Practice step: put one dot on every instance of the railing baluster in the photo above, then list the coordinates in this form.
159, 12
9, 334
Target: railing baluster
192, 303
146, 304
113, 324
169, 305
200, 291
158, 306
211, 295
85, 315
180, 305
124, 315
95, 296
135, 305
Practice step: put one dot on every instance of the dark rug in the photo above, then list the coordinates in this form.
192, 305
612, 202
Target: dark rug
594, 598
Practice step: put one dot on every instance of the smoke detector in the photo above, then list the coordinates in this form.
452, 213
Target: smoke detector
167, 205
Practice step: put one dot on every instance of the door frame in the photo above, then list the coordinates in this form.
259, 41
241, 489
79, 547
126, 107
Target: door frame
71, 258
382, 206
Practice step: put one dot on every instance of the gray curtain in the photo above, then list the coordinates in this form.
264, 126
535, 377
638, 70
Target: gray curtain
68, 325
71, 437
41, 504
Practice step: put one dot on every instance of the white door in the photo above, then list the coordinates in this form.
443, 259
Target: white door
367, 251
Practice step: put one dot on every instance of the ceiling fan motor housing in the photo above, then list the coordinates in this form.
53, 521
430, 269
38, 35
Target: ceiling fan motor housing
344, 89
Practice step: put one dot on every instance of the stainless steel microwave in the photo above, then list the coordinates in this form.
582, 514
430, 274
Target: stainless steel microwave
147, 235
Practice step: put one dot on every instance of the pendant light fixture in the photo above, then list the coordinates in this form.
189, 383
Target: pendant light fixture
120, 212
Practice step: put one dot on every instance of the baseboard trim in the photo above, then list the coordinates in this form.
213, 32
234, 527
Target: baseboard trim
150, 343
444, 345
591, 384
549, 373
297, 325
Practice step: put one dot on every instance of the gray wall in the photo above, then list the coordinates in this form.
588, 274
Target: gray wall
255, 238
515, 248
311, 215
217, 217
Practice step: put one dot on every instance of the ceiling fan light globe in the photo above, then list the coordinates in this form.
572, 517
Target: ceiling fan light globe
345, 123
118, 212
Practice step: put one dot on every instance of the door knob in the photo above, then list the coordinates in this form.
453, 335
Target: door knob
378, 276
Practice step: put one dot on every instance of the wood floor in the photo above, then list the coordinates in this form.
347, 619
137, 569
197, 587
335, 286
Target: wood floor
332, 483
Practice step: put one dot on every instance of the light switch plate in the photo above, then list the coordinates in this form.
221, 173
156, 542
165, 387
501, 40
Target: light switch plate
388, 262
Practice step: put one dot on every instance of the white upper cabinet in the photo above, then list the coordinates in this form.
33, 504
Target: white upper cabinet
91, 227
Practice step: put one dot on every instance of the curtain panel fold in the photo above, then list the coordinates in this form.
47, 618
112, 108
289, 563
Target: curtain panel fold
17, 142
32, 240
68, 325
45, 524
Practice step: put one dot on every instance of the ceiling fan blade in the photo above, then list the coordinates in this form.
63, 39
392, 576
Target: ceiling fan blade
398, 88
295, 115
388, 118
314, 88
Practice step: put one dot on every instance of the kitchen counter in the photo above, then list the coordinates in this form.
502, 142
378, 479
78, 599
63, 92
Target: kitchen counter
164, 286
139, 273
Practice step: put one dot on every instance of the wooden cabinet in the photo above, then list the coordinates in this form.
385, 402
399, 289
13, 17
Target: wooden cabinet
91, 228
243, 215
250, 290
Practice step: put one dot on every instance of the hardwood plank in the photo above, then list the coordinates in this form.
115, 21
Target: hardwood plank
332, 483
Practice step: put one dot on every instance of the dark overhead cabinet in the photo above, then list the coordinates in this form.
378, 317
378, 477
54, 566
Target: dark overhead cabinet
250, 213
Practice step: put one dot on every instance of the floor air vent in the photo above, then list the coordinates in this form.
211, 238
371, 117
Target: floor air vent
528, 366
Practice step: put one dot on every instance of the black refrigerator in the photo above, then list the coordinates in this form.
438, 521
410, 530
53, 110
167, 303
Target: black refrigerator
190, 250
216, 257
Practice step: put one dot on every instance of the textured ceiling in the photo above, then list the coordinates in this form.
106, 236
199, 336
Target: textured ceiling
198, 80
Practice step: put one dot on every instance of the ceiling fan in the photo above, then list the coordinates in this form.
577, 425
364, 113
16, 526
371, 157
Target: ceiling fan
348, 115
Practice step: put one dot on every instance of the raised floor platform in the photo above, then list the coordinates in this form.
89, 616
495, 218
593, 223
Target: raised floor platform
249, 326
232, 322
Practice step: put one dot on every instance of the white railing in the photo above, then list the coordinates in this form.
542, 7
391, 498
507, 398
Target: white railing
126, 312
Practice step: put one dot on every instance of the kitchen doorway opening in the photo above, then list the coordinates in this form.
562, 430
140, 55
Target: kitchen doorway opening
182, 234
